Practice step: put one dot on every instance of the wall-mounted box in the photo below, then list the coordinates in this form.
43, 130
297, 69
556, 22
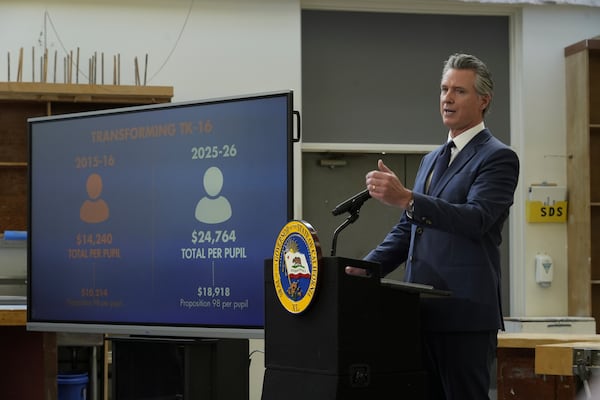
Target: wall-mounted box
547, 203
538, 212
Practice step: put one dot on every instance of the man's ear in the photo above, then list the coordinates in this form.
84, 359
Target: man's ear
485, 102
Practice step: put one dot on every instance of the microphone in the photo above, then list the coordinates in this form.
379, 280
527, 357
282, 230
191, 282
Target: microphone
353, 203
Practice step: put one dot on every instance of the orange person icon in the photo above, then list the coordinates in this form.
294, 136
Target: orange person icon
94, 209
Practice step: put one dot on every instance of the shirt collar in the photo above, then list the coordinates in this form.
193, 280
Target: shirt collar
464, 138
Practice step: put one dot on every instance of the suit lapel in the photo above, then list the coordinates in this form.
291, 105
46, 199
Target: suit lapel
463, 157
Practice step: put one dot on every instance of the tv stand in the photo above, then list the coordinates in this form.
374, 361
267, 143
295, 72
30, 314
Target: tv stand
201, 368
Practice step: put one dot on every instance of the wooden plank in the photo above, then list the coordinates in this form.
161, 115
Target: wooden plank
531, 340
554, 359
578, 185
557, 358
592, 44
13, 317
34, 91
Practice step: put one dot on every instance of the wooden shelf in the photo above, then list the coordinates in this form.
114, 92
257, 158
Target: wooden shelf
582, 65
75, 93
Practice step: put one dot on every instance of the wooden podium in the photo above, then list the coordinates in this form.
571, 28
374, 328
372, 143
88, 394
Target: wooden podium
346, 344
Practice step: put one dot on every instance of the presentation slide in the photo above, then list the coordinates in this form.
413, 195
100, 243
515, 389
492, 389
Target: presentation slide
158, 215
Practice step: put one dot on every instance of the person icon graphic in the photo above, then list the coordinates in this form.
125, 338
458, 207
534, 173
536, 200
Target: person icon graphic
213, 209
94, 209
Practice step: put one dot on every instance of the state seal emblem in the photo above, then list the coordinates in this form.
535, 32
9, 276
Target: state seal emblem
296, 265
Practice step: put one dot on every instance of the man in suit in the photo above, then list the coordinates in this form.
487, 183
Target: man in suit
450, 232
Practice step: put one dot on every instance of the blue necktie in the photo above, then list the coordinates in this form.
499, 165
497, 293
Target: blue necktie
441, 164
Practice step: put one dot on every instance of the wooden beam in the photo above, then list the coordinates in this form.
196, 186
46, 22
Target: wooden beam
85, 93
559, 358
13, 317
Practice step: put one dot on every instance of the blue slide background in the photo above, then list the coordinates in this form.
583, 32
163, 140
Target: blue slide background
152, 186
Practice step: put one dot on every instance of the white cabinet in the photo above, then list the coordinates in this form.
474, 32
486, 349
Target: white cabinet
578, 325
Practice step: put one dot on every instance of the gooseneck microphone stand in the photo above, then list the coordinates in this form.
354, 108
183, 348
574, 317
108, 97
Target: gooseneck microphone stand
353, 211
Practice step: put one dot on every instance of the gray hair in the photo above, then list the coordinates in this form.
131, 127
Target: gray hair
484, 85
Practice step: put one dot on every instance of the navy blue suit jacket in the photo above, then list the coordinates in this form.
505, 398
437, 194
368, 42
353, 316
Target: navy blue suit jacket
452, 239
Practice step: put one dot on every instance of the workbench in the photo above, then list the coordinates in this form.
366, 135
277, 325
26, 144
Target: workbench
539, 365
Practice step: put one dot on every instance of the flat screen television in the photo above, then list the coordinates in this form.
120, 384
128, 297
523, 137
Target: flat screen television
156, 220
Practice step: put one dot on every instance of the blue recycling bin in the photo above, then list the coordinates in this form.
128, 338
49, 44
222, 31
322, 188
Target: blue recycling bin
72, 386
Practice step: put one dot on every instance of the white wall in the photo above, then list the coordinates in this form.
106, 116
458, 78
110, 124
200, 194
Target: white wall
230, 47
546, 31
203, 48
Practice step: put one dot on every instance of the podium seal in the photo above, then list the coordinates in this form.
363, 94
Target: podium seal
296, 265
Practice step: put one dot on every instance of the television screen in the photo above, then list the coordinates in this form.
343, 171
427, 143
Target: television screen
156, 220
